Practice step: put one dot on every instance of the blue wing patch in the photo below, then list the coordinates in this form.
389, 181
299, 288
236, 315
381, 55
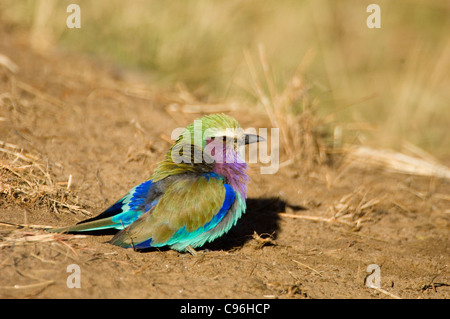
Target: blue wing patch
134, 204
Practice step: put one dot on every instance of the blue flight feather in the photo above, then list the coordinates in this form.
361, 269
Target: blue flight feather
134, 204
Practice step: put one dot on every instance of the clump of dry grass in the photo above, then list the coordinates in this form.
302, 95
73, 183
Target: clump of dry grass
27, 180
396, 162
292, 110
352, 210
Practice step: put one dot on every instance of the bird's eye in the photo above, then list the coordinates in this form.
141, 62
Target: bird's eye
234, 139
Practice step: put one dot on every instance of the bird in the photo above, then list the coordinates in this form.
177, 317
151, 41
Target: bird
196, 194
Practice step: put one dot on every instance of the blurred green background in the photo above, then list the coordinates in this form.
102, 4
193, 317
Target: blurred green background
381, 86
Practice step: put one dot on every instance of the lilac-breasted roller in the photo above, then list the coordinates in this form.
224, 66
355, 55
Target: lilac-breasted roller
196, 194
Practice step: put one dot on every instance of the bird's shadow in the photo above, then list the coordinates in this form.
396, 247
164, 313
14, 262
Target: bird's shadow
261, 217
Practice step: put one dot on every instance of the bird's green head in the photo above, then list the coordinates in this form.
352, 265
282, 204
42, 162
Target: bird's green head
205, 145
218, 128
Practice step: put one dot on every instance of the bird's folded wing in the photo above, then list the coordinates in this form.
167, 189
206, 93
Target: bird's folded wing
189, 207
136, 202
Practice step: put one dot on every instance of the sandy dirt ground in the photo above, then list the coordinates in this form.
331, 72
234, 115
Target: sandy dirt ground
67, 117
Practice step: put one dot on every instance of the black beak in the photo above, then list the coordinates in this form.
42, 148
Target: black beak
252, 138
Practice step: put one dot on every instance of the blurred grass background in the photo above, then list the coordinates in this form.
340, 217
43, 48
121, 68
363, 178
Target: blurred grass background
381, 87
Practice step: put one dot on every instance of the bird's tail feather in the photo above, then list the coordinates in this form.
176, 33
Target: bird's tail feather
122, 213
98, 224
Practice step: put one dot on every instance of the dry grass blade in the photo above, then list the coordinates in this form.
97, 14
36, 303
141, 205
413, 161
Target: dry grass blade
31, 286
10, 65
330, 220
41, 95
381, 290
25, 237
306, 266
26, 225
17, 151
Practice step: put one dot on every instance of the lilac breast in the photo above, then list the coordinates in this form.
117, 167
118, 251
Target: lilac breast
230, 165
